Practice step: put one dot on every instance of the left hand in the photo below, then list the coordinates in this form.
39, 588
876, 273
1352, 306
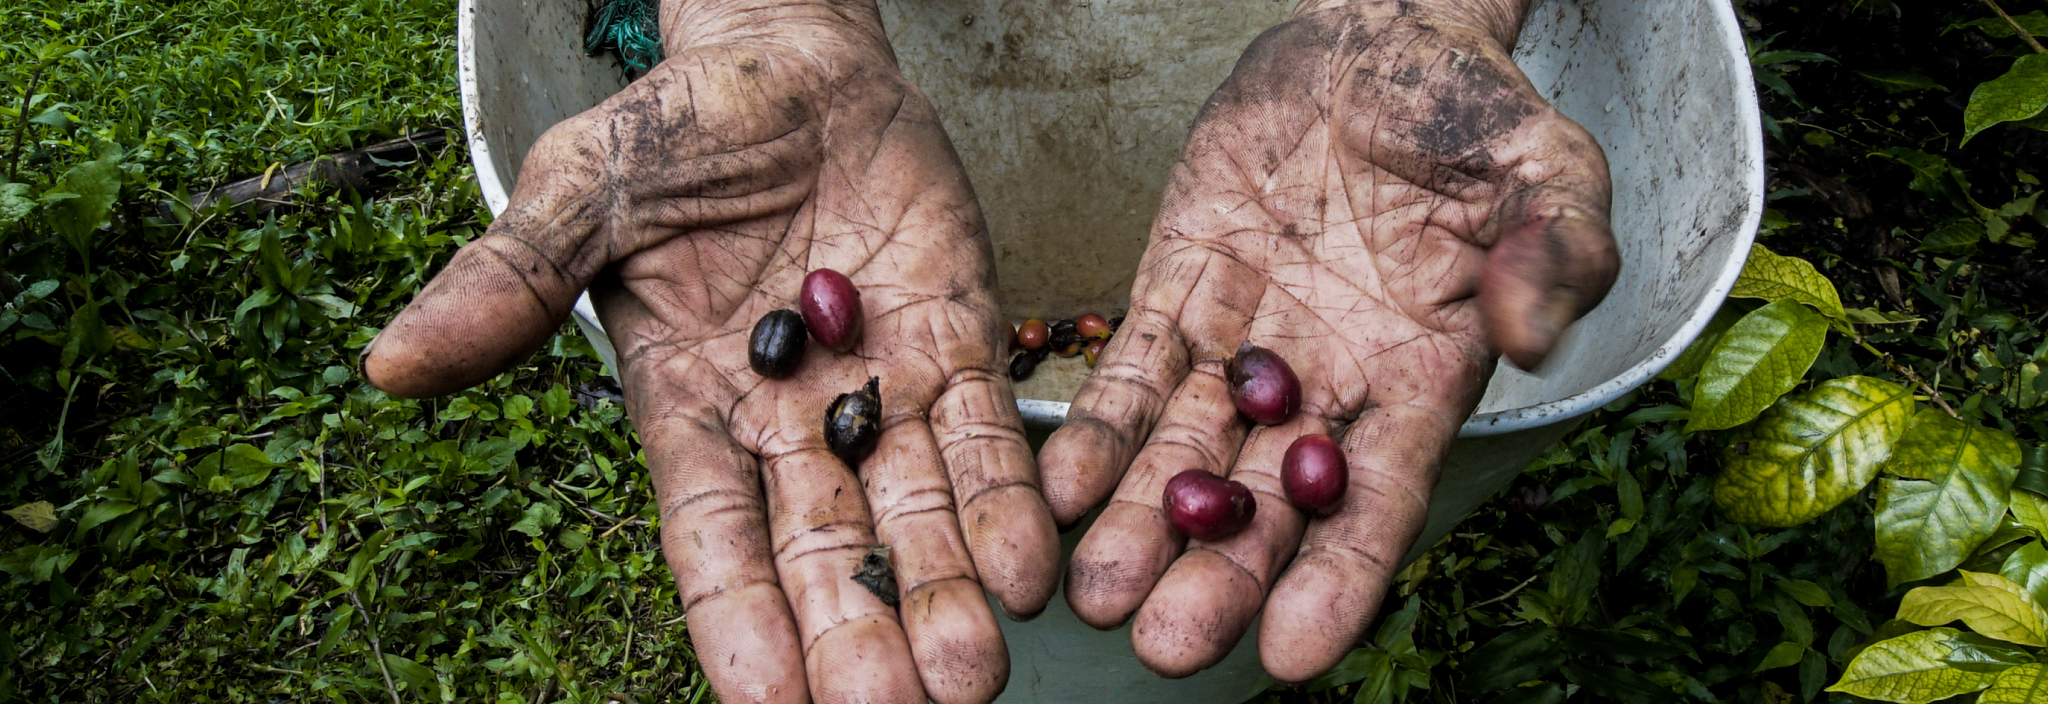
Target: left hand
1379, 195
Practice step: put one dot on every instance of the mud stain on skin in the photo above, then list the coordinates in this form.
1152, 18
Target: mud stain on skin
1476, 107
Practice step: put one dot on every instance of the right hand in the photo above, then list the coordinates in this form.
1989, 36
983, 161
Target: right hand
776, 139
1380, 196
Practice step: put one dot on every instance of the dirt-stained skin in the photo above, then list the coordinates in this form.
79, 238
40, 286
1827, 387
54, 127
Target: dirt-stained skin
1377, 194
778, 138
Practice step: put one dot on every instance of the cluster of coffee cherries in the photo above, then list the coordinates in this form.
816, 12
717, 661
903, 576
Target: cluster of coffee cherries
1204, 506
832, 315
1034, 339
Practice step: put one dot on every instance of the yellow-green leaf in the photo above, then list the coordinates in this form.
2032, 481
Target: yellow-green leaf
1909, 670
2031, 509
1757, 360
2020, 94
1957, 478
1770, 277
1989, 604
1695, 355
1811, 451
2028, 567
38, 516
2022, 684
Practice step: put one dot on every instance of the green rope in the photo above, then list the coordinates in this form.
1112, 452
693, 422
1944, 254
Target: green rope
629, 30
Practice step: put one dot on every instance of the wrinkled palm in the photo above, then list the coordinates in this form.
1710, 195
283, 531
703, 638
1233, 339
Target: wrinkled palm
1377, 194
694, 202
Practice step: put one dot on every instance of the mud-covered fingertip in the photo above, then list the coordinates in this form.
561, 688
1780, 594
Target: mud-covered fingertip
1554, 262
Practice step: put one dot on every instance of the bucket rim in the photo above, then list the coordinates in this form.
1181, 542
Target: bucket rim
1041, 413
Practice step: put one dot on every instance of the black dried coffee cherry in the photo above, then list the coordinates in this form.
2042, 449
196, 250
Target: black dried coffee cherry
778, 344
854, 423
1026, 362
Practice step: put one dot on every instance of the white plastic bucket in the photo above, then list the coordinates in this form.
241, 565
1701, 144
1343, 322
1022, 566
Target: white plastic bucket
1067, 115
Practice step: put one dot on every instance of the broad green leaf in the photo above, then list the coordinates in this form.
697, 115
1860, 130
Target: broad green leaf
80, 202
2033, 477
2030, 508
1909, 670
1784, 654
1806, 593
366, 557
333, 306
1811, 451
1900, 81
104, 511
540, 516
2020, 94
2035, 23
1695, 355
238, 467
2023, 684
416, 677
1956, 238
1355, 666
1771, 277
1958, 476
2028, 567
1989, 604
38, 516
1511, 659
1757, 360
14, 203
1978, 653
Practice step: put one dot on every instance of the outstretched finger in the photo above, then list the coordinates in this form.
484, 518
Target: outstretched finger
1008, 527
1112, 414
953, 635
1327, 597
714, 534
1131, 544
1206, 601
854, 648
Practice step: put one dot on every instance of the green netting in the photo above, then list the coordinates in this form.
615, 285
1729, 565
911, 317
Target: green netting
629, 30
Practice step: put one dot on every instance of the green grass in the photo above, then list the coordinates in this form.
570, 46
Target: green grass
241, 518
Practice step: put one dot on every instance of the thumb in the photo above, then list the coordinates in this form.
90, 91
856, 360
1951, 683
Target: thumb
501, 296
495, 304
1553, 262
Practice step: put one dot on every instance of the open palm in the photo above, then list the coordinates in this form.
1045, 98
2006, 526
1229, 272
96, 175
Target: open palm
694, 202
1378, 195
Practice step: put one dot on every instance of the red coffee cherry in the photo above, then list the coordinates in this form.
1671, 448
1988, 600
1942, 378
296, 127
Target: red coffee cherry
831, 308
1262, 385
1313, 475
1208, 507
1033, 334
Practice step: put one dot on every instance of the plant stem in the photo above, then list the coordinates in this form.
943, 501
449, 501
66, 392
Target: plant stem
14, 154
2016, 28
376, 649
1905, 371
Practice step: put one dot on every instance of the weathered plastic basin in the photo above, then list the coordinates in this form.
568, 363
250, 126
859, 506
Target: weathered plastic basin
1067, 115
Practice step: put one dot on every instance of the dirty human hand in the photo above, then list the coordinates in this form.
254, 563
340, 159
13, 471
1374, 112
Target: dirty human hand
777, 138
1378, 195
